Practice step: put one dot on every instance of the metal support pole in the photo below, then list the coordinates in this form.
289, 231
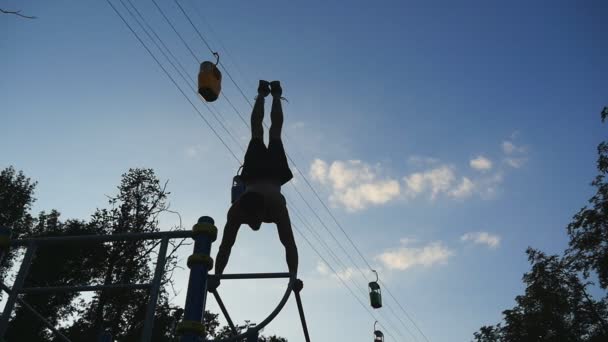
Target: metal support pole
158, 274
253, 336
12, 298
196, 295
302, 318
225, 312
5, 242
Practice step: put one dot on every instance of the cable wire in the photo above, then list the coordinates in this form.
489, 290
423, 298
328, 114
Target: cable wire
298, 170
173, 80
341, 280
232, 105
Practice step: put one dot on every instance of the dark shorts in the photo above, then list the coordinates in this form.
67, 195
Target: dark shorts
266, 163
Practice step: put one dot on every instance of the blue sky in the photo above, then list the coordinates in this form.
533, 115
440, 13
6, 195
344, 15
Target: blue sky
446, 138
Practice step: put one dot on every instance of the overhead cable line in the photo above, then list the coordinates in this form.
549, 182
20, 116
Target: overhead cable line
215, 115
173, 81
337, 260
211, 50
342, 280
200, 114
303, 176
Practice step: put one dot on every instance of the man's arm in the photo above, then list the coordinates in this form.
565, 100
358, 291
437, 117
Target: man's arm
286, 236
233, 223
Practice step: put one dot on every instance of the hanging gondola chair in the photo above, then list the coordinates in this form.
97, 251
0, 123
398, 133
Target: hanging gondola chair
210, 80
375, 295
378, 335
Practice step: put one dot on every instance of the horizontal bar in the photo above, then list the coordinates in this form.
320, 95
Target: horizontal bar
175, 234
84, 288
253, 275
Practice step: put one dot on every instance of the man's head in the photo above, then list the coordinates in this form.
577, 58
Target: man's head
252, 204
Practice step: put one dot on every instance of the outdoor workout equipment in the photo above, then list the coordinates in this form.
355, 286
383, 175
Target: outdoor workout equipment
378, 335
375, 295
191, 328
210, 80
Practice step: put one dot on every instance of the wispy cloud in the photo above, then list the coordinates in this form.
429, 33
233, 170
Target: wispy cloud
354, 184
482, 238
434, 181
515, 155
195, 151
481, 163
406, 256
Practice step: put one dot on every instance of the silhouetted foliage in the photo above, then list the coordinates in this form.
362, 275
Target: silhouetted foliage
135, 208
588, 247
556, 306
16, 199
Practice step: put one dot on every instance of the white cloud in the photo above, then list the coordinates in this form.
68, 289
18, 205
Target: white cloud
483, 238
345, 274
508, 147
464, 189
481, 163
322, 268
516, 156
422, 161
516, 162
406, 257
195, 151
354, 184
318, 171
436, 181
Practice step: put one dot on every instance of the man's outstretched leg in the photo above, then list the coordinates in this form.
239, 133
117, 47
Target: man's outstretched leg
257, 115
276, 112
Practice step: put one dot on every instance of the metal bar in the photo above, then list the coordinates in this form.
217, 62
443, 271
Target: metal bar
177, 234
254, 275
12, 298
35, 313
84, 288
302, 318
225, 312
252, 335
270, 317
158, 274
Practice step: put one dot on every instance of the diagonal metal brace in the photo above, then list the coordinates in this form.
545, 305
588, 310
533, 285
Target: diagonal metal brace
225, 312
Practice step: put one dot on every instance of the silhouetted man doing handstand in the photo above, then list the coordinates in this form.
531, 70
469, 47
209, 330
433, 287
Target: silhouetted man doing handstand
264, 172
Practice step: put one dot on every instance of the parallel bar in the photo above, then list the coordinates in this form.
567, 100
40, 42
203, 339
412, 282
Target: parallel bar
302, 318
177, 234
12, 298
254, 275
35, 313
225, 312
84, 288
158, 274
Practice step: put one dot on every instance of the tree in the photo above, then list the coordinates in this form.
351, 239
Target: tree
588, 246
53, 266
16, 199
554, 308
17, 13
556, 305
135, 208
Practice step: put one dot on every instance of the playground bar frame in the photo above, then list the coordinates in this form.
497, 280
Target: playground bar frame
203, 233
31, 245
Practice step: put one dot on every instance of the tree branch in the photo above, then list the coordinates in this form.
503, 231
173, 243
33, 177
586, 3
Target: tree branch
17, 13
